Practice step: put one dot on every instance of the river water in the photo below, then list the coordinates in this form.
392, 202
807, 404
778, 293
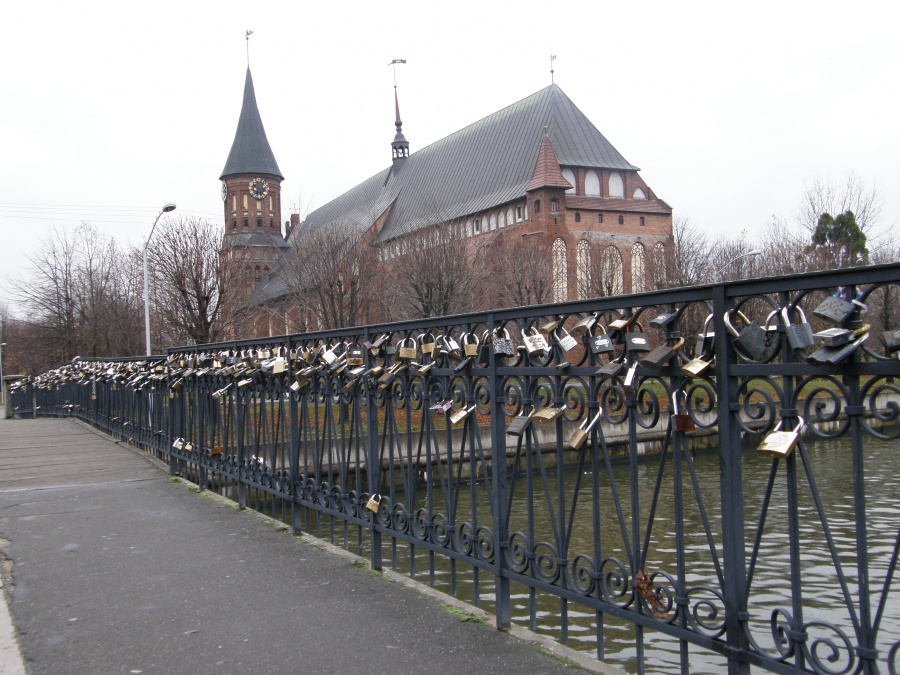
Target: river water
772, 586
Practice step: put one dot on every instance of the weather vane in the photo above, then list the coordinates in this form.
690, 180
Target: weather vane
393, 64
552, 59
247, 37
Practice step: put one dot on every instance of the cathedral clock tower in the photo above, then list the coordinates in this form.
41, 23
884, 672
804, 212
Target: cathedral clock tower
251, 196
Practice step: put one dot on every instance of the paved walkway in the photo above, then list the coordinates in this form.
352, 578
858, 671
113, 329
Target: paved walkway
115, 568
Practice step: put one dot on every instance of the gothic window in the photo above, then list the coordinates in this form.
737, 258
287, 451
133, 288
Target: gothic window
659, 266
639, 194
592, 184
537, 205
569, 175
578, 216
256, 276
560, 271
245, 202
259, 222
469, 228
501, 220
583, 269
493, 221
612, 278
642, 220
234, 202
246, 223
518, 213
599, 217
509, 216
616, 185
638, 268
477, 225
621, 220
248, 272
234, 224
554, 205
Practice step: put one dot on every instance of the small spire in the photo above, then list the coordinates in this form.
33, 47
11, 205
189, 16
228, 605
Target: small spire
552, 59
399, 146
247, 37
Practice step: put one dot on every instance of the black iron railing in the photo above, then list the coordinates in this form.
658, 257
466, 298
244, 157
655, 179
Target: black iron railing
450, 446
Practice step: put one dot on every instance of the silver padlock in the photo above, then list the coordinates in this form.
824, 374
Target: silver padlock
800, 336
566, 342
535, 343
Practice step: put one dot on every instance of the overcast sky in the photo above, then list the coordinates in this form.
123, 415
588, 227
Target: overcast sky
109, 110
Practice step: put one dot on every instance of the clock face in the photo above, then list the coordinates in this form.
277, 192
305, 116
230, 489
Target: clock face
224, 191
259, 188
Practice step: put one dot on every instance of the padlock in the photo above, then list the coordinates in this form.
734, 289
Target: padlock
423, 369
835, 337
373, 503
835, 309
586, 325
177, 385
601, 343
429, 345
470, 344
566, 342
547, 415
518, 425
502, 344
442, 406
580, 435
353, 377
407, 349
705, 344
219, 393
461, 414
329, 356
264, 354
629, 376
613, 368
549, 326
779, 443
661, 355
829, 356
451, 347
682, 421
178, 444
188, 448
535, 343
355, 356
662, 319
462, 365
891, 340
800, 336
750, 343
390, 375
696, 366
637, 341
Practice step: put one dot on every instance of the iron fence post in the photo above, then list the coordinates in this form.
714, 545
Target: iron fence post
373, 465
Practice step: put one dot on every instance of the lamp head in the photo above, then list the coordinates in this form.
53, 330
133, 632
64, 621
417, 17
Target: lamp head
169, 207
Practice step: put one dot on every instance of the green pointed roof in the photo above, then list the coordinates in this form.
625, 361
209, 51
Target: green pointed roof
250, 152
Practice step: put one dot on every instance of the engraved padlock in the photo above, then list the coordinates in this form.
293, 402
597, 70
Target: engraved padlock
566, 341
407, 349
637, 341
779, 443
535, 343
601, 343
581, 434
835, 308
373, 504
502, 344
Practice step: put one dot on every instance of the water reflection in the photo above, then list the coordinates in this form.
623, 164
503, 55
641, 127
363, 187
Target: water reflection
539, 507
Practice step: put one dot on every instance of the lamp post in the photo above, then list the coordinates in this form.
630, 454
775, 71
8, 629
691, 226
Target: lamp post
2, 390
717, 276
165, 209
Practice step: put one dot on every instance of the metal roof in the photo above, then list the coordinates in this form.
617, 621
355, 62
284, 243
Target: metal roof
261, 239
479, 167
250, 152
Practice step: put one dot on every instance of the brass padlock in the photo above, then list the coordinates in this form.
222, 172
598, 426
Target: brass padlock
549, 326
355, 356
696, 366
781, 443
429, 345
407, 349
586, 325
373, 503
580, 435
461, 414
546, 415
470, 344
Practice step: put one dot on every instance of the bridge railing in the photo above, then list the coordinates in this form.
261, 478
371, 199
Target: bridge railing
481, 453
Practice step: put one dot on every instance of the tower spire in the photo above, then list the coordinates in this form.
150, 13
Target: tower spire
399, 146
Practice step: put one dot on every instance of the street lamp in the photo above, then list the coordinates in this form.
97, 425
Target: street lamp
2, 393
717, 276
165, 209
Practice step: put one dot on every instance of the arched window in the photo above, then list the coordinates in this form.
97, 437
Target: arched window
616, 185
578, 216
501, 219
518, 213
560, 271
642, 220
493, 221
469, 227
639, 194
592, 184
477, 225
248, 272
554, 205
272, 223
621, 220
537, 205
660, 277
583, 269
612, 277
599, 217
509, 216
256, 278
569, 175
246, 223
234, 224
638, 268
259, 222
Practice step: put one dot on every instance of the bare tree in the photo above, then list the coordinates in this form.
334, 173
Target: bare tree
188, 277
850, 194
521, 270
331, 274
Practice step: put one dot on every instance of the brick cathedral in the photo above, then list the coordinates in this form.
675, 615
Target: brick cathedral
538, 166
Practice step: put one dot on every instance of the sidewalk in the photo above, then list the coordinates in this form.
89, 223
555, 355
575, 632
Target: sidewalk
115, 568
